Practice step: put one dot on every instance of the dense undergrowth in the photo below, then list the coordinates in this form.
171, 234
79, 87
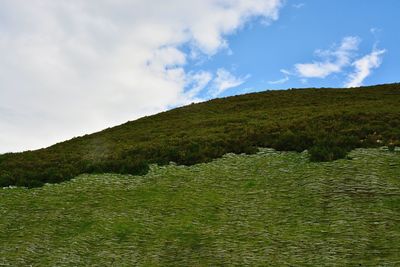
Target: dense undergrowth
327, 122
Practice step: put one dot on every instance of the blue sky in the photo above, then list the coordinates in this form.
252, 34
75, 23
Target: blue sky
70, 68
259, 52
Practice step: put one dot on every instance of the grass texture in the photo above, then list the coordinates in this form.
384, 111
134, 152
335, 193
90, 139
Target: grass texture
266, 209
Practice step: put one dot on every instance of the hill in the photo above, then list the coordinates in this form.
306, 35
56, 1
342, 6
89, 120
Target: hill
327, 122
266, 209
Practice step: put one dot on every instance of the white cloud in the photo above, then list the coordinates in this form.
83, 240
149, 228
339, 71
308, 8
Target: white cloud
332, 61
224, 81
338, 59
304, 81
197, 82
375, 31
286, 72
280, 81
73, 67
364, 67
283, 80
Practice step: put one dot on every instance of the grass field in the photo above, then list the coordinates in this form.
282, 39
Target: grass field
270, 209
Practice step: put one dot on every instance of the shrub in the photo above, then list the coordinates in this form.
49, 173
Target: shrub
135, 167
6, 180
327, 150
391, 147
290, 141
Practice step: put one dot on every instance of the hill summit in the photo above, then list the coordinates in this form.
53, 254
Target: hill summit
327, 122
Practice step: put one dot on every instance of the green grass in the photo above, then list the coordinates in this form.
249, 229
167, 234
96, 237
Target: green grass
270, 209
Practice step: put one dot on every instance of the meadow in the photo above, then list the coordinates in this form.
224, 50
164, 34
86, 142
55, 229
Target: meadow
266, 209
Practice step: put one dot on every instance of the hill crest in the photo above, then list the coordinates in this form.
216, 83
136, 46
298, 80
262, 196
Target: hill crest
328, 122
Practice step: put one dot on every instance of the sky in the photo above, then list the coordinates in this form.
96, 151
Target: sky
69, 68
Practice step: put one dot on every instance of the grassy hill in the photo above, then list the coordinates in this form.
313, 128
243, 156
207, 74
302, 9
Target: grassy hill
266, 209
327, 122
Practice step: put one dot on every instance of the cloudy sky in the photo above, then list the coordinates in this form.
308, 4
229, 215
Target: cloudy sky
71, 67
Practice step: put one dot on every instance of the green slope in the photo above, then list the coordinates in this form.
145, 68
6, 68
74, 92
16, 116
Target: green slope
329, 122
267, 209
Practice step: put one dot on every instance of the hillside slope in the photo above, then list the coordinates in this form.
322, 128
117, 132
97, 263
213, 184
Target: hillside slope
267, 209
329, 122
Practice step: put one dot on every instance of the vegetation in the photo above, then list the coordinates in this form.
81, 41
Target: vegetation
266, 209
327, 122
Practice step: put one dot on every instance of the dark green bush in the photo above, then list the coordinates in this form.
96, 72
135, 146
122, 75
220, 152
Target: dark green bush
6, 180
289, 141
391, 147
327, 150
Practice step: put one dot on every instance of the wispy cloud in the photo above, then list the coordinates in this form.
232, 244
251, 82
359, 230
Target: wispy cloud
223, 81
364, 67
280, 81
283, 80
340, 59
196, 82
375, 30
332, 61
299, 5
